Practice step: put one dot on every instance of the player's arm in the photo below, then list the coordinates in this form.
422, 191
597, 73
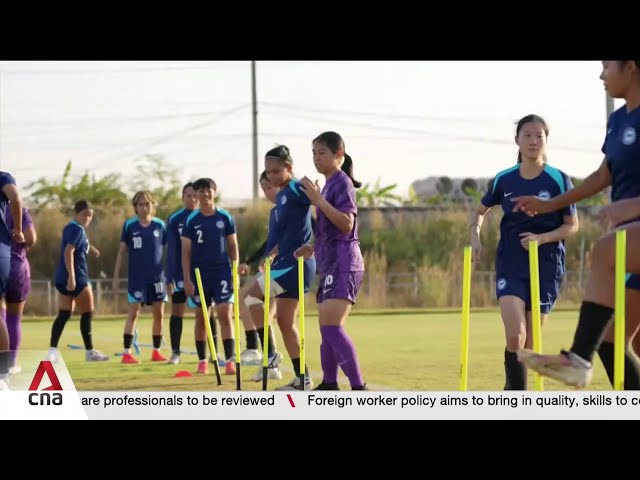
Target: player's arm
594, 183
620, 212
30, 237
11, 191
69, 249
476, 219
564, 231
116, 271
232, 247
94, 250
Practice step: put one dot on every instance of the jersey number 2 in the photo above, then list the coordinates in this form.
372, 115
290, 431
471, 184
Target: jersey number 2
225, 287
199, 234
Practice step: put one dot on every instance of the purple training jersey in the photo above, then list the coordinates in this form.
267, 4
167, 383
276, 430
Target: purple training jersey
336, 251
19, 274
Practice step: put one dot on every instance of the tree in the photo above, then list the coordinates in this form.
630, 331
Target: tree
156, 175
376, 195
101, 192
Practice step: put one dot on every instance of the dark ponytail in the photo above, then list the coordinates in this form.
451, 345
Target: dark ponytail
347, 167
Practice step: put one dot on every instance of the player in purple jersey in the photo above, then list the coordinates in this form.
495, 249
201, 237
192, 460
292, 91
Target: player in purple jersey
620, 169
338, 257
8, 193
532, 174
19, 285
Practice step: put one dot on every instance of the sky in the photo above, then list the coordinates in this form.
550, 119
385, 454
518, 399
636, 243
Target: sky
401, 121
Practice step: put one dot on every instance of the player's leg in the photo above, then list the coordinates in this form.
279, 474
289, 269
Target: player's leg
335, 299
85, 304
4, 333
178, 308
129, 327
65, 307
157, 297
513, 298
200, 334
632, 323
14, 328
575, 367
251, 355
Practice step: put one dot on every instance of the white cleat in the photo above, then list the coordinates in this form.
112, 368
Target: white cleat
53, 355
566, 367
174, 360
273, 373
16, 369
95, 356
251, 356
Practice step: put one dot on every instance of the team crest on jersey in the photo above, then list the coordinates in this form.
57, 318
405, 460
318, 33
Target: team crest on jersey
137, 294
220, 224
629, 136
180, 284
283, 200
156, 233
544, 195
501, 284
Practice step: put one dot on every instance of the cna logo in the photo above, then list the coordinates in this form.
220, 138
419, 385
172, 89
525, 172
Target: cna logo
45, 398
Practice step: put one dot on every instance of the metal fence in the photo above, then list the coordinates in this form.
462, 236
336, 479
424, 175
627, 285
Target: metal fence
392, 290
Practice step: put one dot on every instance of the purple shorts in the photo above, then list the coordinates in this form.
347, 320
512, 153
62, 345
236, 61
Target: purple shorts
19, 284
343, 285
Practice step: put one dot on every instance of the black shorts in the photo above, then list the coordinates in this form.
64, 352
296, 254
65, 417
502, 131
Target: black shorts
179, 297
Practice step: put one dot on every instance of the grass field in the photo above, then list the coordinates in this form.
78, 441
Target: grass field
412, 351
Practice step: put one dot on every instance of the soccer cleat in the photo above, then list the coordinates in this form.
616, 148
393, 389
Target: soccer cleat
295, 384
53, 355
4, 383
566, 367
273, 373
129, 359
16, 369
361, 387
203, 367
251, 357
174, 360
327, 386
230, 367
156, 356
95, 356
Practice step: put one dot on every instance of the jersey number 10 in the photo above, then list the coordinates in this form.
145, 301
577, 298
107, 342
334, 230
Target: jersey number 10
137, 242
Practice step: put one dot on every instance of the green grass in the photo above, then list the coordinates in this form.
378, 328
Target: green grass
411, 351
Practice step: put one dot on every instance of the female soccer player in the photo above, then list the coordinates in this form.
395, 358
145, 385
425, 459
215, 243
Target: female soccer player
209, 243
19, 286
292, 229
144, 237
620, 169
532, 175
8, 195
339, 257
72, 282
253, 309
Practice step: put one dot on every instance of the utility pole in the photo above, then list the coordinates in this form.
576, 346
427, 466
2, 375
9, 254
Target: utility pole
254, 101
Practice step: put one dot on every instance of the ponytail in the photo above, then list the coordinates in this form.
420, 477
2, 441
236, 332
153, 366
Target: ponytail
347, 167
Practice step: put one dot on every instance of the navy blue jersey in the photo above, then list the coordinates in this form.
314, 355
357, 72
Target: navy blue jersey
622, 150
208, 235
145, 246
175, 224
292, 227
511, 256
5, 234
75, 235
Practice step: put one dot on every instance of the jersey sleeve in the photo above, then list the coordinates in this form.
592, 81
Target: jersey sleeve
124, 236
72, 235
299, 195
229, 226
568, 185
492, 196
172, 247
274, 231
345, 198
188, 230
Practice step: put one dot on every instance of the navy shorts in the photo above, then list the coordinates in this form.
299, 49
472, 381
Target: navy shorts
633, 281
284, 276
217, 287
147, 293
521, 288
80, 286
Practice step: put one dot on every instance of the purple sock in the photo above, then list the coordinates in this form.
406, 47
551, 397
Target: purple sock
15, 333
345, 353
327, 359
